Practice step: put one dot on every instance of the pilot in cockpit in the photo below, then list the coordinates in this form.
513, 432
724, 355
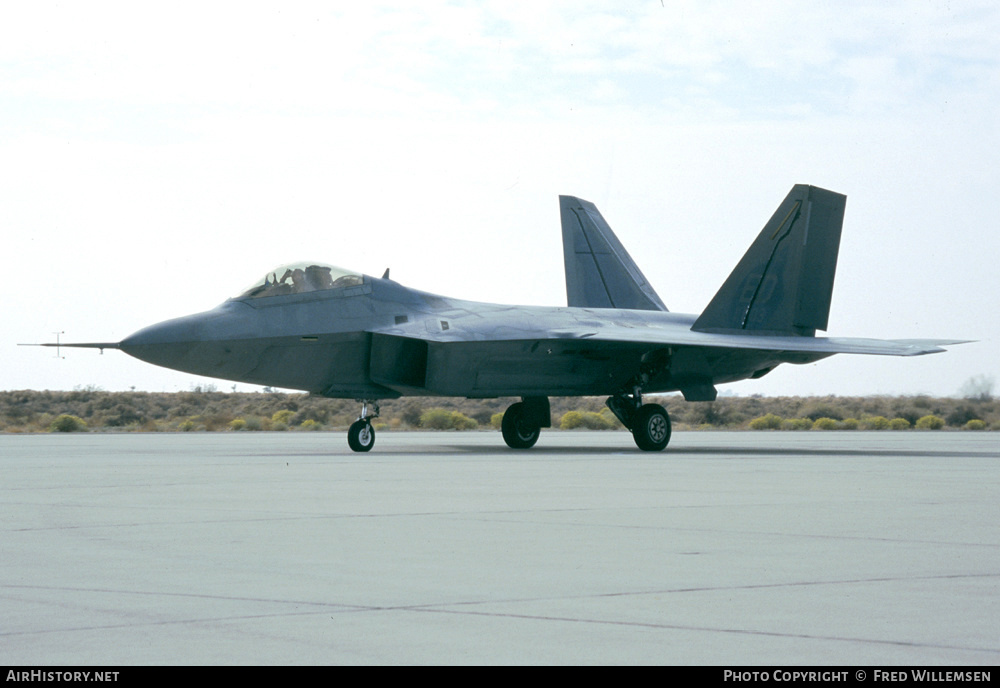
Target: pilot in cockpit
297, 286
301, 278
318, 276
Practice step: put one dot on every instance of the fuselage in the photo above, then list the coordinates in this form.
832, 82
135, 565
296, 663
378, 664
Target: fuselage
377, 340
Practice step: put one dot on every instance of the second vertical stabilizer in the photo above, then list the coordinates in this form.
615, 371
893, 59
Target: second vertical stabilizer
599, 271
784, 282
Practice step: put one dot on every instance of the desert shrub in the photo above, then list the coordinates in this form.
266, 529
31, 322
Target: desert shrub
436, 419
975, 424
411, 412
571, 420
589, 420
899, 424
711, 413
930, 422
443, 419
460, 421
284, 416
496, 420
824, 424
317, 414
849, 424
237, 424
796, 424
875, 423
481, 413
310, 424
960, 415
122, 415
215, 422
599, 421
822, 409
67, 423
766, 422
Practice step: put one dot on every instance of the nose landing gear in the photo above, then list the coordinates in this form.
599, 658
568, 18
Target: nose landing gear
361, 434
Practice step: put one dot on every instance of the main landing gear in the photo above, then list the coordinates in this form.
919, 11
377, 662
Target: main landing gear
523, 422
649, 423
518, 433
361, 434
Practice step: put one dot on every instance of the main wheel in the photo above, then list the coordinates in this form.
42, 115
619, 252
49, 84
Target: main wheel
651, 427
361, 436
518, 433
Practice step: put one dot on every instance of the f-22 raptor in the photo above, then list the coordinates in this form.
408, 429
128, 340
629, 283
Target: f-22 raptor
342, 334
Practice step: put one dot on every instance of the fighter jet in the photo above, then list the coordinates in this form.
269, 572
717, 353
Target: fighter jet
342, 334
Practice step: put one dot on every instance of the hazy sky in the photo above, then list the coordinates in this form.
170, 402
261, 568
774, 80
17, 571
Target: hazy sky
155, 160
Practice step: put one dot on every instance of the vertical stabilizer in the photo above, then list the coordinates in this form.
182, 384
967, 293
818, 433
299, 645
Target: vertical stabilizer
599, 271
784, 282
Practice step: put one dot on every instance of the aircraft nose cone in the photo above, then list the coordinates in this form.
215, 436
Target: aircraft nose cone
177, 331
167, 343
216, 343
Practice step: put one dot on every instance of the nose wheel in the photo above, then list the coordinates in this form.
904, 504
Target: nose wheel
361, 434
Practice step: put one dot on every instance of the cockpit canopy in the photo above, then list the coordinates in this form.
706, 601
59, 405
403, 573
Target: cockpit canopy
298, 278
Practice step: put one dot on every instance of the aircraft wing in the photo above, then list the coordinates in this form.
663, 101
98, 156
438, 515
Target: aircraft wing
595, 356
819, 345
612, 327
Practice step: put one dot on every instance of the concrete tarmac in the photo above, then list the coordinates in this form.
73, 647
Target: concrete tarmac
764, 548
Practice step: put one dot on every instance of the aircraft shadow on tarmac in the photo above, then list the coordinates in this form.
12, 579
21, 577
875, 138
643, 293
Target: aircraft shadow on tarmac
719, 451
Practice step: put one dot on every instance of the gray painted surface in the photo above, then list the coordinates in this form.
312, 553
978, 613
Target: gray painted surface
370, 338
729, 548
600, 273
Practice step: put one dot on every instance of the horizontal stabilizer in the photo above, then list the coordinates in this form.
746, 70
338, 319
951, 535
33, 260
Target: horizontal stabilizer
599, 271
784, 282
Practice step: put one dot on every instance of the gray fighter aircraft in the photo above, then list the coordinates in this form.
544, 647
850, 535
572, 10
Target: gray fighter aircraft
342, 334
